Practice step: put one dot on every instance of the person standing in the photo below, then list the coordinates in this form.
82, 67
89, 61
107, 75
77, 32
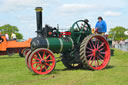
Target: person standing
13, 36
7, 37
101, 26
1, 39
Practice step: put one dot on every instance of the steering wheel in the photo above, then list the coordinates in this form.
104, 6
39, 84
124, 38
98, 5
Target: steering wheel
80, 28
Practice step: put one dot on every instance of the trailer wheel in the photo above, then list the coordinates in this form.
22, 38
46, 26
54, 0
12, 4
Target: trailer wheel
95, 52
21, 53
42, 61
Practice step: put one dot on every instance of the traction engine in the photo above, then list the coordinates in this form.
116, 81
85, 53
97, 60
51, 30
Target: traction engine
79, 48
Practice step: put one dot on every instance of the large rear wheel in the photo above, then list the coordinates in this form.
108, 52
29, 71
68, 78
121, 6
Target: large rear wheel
95, 52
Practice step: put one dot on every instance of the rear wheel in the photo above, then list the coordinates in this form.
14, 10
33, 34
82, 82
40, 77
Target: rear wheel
42, 61
21, 52
95, 52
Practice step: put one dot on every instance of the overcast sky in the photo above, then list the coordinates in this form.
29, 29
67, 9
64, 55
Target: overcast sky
21, 13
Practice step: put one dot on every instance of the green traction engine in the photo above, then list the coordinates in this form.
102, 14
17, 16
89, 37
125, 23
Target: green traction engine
78, 47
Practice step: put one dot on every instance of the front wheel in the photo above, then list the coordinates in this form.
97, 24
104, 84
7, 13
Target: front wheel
42, 61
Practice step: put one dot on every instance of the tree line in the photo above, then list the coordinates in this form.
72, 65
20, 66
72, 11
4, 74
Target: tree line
117, 33
9, 29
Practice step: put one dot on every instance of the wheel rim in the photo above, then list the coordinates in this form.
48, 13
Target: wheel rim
97, 52
42, 61
26, 60
26, 51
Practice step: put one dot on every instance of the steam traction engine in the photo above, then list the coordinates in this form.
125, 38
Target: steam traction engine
78, 47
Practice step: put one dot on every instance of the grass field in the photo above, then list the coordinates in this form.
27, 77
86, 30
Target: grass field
13, 71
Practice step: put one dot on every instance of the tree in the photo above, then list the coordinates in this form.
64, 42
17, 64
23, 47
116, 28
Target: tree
117, 33
9, 29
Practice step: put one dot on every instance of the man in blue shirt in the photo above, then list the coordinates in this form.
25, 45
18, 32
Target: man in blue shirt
101, 26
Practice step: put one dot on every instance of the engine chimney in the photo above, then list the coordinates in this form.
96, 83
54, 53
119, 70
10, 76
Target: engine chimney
39, 21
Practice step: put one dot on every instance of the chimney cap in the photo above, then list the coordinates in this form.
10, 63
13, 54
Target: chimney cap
38, 9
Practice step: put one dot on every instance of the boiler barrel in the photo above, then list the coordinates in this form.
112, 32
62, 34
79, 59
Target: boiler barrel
57, 45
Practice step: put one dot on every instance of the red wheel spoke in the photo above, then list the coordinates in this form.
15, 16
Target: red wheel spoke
36, 58
47, 57
95, 43
98, 44
89, 48
101, 45
88, 51
43, 54
92, 43
101, 56
95, 63
37, 66
102, 52
49, 61
90, 59
33, 60
35, 63
41, 68
45, 68
90, 55
48, 64
101, 49
39, 55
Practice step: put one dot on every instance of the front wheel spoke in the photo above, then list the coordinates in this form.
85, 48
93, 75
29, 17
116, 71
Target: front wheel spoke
41, 68
37, 66
98, 44
49, 61
45, 68
36, 58
48, 64
35, 63
47, 57
39, 55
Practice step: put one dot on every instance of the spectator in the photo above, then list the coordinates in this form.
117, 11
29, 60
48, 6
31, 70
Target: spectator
13, 36
101, 26
7, 37
1, 39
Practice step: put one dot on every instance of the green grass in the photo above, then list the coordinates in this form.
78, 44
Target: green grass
13, 71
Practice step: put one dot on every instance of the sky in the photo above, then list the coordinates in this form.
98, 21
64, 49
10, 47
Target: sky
21, 13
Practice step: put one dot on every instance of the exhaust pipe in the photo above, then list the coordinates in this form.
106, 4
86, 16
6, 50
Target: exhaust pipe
39, 21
